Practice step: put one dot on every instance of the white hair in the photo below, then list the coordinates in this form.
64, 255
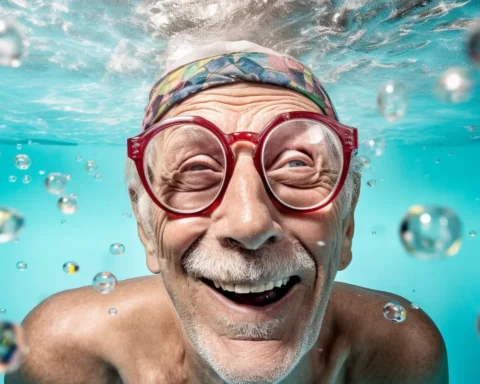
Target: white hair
140, 199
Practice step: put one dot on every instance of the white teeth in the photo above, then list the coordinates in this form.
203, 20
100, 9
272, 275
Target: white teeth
246, 288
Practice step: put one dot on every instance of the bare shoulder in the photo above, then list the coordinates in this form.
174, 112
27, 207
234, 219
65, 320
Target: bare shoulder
412, 351
72, 337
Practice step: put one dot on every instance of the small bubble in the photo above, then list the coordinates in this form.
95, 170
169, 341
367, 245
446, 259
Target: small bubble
371, 183
29, 142
68, 204
22, 162
71, 267
55, 183
63, 221
21, 265
12, 179
430, 232
112, 311
415, 306
13, 347
471, 128
437, 160
68, 177
364, 161
12, 44
424, 147
117, 249
11, 224
374, 233
19, 146
454, 85
98, 177
451, 153
473, 233
78, 159
392, 100
394, 312
41, 172
91, 167
104, 282
414, 290
3, 311
26, 179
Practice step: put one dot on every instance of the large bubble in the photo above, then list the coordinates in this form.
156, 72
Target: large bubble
68, 204
394, 312
12, 346
117, 249
430, 232
11, 224
22, 162
12, 44
55, 183
104, 282
392, 100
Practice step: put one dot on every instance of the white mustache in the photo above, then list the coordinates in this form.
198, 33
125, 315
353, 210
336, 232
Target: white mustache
237, 266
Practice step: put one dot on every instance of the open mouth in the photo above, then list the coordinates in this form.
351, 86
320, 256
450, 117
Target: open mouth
249, 295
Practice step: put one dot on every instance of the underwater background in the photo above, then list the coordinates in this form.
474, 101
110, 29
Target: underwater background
83, 83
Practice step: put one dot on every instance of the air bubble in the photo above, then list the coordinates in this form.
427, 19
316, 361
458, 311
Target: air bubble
117, 249
454, 85
392, 100
55, 183
104, 282
394, 312
12, 44
11, 224
22, 162
21, 265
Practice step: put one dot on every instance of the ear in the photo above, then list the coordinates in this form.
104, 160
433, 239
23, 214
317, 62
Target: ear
348, 231
150, 250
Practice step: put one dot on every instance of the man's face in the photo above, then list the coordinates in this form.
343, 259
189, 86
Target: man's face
246, 239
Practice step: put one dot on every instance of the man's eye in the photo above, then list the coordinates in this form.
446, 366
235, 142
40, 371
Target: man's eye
296, 163
198, 167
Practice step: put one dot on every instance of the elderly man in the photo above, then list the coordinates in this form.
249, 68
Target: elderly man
244, 194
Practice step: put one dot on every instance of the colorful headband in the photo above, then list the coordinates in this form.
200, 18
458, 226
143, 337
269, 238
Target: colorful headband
234, 68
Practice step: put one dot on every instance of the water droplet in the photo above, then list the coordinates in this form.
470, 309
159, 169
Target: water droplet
26, 179
474, 43
364, 161
415, 306
394, 312
68, 204
117, 249
13, 347
12, 179
98, 177
12, 44
112, 311
22, 162
19, 146
63, 221
321, 243
78, 159
41, 172
11, 224
71, 267
3, 311
454, 85
371, 183
392, 100
437, 160
55, 183
91, 167
21, 265
473, 233
68, 177
430, 232
104, 282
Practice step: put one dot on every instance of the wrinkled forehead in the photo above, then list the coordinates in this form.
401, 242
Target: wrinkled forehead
242, 107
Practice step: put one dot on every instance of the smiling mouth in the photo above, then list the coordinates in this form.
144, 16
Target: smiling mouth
258, 299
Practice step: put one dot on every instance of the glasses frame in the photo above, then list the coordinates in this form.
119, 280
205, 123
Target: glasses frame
348, 137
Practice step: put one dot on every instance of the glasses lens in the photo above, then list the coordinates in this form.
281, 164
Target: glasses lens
302, 161
185, 167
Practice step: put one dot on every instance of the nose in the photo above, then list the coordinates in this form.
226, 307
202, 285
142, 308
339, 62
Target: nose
244, 217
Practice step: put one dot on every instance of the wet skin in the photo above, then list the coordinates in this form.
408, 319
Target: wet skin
328, 333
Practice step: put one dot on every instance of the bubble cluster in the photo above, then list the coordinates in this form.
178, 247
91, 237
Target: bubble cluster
12, 346
21, 265
112, 311
394, 312
71, 267
55, 183
11, 224
12, 44
430, 232
117, 249
454, 85
68, 204
392, 100
91, 167
104, 282
22, 162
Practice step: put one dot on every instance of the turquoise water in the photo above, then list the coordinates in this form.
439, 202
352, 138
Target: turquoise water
78, 93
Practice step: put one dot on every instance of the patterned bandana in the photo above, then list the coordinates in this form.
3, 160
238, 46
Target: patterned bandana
234, 68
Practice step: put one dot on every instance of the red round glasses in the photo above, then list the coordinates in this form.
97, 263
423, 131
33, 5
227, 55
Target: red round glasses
346, 136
